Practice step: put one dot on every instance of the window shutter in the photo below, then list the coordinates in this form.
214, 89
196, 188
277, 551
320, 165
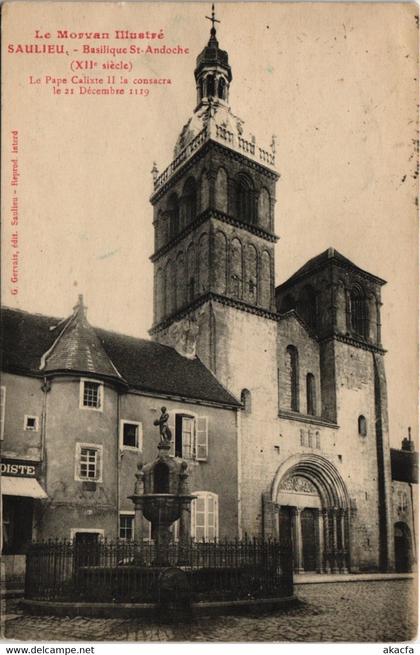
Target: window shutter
171, 426
140, 436
201, 450
200, 518
216, 516
98, 477
211, 533
188, 437
193, 518
205, 516
147, 530
175, 531
212, 517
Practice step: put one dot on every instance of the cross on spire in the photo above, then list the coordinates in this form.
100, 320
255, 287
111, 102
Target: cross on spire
213, 19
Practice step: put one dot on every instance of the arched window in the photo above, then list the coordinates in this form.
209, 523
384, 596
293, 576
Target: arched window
164, 228
359, 312
307, 307
210, 85
221, 191
362, 426
205, 516
246, 400
221, 88
169, 288
203, 263
204, 192
293, 366
266, 280
191, 272
191, 289
173, 211
189, 200
220, 261
180, 290
160, 295
264, 209
236, 272
251, 273
245, 203
159, 226
310, 395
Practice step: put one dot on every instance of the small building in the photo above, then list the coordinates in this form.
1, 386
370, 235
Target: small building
405, 478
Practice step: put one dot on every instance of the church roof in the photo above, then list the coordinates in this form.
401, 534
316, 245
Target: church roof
329, 255
30, 339
213, 56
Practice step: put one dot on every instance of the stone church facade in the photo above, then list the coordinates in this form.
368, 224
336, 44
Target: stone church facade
305, 358
276, 396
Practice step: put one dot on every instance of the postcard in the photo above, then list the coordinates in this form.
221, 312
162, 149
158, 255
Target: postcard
209, 388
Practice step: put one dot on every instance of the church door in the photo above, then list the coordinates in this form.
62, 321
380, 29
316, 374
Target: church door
309, 541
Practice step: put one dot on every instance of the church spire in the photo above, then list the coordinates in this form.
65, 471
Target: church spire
213, 29
213, 73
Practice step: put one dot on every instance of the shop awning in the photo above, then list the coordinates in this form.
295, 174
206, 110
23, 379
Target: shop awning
28, 487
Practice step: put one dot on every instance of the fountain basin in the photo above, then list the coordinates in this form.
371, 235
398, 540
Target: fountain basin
163, 509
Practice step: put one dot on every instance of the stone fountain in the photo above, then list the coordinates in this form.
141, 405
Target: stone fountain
162, 496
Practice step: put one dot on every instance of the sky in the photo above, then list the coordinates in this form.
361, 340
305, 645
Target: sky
334, 82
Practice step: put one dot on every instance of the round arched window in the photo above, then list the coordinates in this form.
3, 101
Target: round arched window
359, 312
362, 426
245, 210
246, 400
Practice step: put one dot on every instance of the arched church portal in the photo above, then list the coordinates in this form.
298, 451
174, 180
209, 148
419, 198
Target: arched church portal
311, 509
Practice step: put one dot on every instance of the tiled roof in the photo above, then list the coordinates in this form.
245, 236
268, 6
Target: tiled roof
323, 258
78, 348
143, 364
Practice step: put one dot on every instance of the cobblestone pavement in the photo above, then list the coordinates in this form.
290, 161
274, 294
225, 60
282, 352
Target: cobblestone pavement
382, 611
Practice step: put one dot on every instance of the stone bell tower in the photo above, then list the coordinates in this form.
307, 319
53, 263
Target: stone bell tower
214, 245
213, 216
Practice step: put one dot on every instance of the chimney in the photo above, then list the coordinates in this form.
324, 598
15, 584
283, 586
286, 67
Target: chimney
407, 444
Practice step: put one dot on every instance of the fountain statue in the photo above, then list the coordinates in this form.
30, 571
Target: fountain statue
162, 496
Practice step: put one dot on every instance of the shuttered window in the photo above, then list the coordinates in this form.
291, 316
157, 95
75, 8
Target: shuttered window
171, 426
205, 516
189, 436
185, 436
201, 443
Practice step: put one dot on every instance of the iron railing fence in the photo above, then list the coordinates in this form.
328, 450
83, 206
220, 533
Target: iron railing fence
125, 571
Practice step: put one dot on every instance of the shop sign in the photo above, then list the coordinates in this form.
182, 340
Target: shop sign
18, 468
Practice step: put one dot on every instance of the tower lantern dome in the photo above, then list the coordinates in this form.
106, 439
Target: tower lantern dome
212, 73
